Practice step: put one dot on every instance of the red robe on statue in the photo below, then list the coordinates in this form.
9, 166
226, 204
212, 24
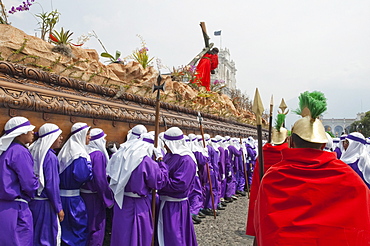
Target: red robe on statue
207, 63
312, 198
271, 155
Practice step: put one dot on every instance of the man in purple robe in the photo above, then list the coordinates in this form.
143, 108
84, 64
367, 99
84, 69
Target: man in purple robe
196, 199
46, 206
96, 192
74, 171
134, 174
251, 158
235, 155
222, 169
227, 167
17, 183
217, 170
213, 168
239, 168
175, 226
356, 155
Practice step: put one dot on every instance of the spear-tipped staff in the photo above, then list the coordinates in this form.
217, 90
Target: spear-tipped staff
207, 166
156, 87
270, 120
257, 109
282, 108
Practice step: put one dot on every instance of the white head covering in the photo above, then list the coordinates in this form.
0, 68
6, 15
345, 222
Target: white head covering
251, 142
207, 138
194, 146
132, 137
203, 149
235, 142
174, 139
75, 146
187, 141
123, 163
215, 144
329, 146
135, 133
341, 140
48, 133
357, 151
161, 143
221, 142
13, 128
368, 145
200, 141
224, 143
98, 142
335, 143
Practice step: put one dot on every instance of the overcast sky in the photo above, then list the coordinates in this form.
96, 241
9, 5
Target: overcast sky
282, 47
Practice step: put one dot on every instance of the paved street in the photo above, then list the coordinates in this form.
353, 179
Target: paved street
227, 229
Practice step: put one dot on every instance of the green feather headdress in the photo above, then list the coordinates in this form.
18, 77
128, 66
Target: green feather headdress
314, 102
279, 121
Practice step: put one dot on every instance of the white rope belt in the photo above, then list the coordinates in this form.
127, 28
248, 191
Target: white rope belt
132, 194
69, 193
172, 199
165, 199
87, 191
20, 200
36, 198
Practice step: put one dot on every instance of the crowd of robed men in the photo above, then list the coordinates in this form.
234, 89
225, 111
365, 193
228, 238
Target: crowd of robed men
307, 195
52, 194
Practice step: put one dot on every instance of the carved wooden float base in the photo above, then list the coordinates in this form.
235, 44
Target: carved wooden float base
45, 97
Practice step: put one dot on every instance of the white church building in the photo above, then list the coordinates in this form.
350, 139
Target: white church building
226, 70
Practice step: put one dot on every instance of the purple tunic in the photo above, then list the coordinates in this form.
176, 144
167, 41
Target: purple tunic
196, 195
46, 206
213, 168
178, 228
222, 172
354, 166
251, 162
227, 169
74, 225
132, 225
97, 197
338, 151
17, 181
233, 168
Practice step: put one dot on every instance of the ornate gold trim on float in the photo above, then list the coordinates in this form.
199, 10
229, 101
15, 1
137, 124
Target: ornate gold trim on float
46, 97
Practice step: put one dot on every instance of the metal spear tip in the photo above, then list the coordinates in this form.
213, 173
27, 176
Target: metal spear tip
159, 79
257, 107
271, 104
199, 117
159, 86
283, 107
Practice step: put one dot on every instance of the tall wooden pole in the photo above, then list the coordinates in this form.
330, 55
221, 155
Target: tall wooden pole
158, 87
207, 166
257, 109
270, 120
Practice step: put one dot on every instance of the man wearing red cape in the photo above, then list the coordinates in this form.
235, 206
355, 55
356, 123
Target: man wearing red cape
311, 197
207, 63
